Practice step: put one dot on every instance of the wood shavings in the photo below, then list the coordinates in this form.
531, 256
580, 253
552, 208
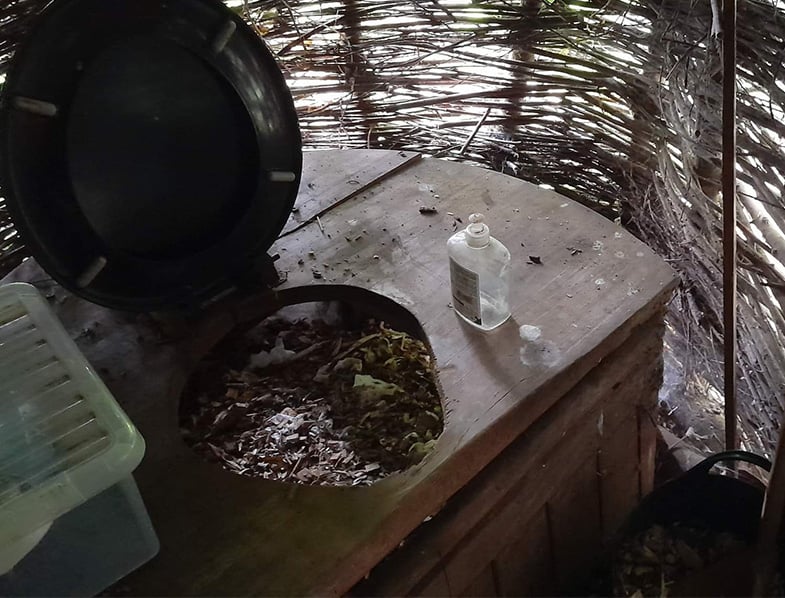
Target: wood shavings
343, 407
660, 556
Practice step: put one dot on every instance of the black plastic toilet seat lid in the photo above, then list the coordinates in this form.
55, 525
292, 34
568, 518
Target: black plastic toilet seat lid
150, 149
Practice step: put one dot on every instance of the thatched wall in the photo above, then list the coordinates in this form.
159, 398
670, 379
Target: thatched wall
614, 103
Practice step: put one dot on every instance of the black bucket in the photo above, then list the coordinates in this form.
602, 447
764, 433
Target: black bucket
703, 500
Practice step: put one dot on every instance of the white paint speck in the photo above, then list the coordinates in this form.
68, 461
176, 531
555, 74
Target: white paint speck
598, 246
619, 254
639, 254
599, 282
617, 235
564, 205
632, 291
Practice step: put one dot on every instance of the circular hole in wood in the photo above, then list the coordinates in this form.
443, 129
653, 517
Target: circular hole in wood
316, 394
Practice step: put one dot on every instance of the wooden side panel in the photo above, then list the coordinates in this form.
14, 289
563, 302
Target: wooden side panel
619, 473
484, 585
553, 473
647, 446
574, 518
435, 584
525, 567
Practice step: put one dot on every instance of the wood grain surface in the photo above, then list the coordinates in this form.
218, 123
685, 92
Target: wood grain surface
223, 534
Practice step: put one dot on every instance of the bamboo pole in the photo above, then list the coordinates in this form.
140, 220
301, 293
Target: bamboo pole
729, 217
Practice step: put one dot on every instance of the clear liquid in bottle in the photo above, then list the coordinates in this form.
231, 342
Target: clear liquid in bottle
479, 266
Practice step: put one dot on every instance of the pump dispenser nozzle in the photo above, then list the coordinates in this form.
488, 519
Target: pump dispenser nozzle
477, 233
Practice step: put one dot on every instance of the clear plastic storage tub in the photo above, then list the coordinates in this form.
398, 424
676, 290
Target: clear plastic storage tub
71, 518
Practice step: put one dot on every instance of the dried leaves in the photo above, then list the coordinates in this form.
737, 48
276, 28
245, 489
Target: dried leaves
314, 404
653, 560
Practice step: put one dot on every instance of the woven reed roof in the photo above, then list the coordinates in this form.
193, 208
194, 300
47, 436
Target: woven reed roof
614, 103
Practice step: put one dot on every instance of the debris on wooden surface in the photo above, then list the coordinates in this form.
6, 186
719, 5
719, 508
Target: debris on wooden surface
657, 558
308, 402
455, 220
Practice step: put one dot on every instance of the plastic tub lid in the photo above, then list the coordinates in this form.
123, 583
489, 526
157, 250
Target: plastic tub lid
150, 152
63, 437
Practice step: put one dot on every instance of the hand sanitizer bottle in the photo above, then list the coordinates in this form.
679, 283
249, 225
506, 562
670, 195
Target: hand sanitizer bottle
479, 266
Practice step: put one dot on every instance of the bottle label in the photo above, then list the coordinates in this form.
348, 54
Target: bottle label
465, 292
